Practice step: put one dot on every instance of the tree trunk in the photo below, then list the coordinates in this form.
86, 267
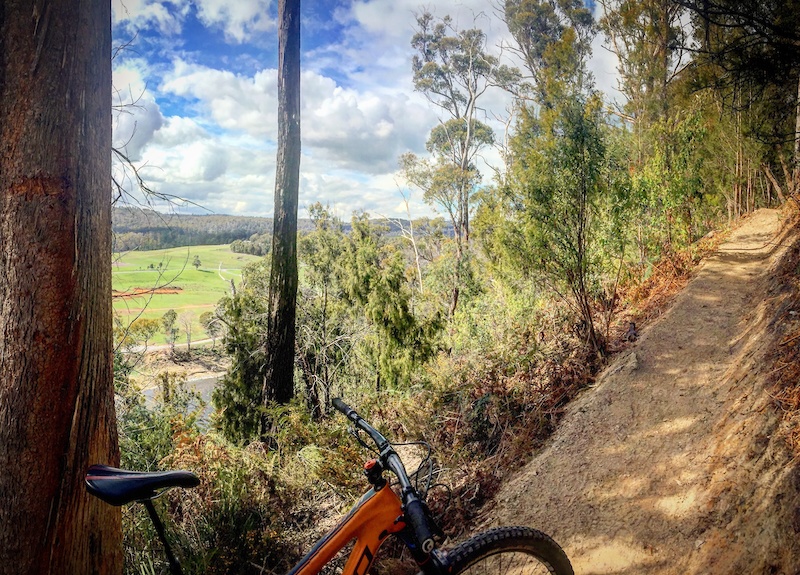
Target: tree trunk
775, 184
279, 377
56, 391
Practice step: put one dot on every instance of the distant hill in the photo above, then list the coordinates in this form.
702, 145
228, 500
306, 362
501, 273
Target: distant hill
143, 229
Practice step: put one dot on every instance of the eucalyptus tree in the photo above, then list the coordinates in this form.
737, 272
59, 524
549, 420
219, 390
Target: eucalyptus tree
553, 38
278, 383
325, 332
56, 394
650, 41
453, 69
559, 222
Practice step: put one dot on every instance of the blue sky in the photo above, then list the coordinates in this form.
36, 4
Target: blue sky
196, 89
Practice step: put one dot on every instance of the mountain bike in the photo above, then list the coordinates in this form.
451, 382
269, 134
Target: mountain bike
385, 510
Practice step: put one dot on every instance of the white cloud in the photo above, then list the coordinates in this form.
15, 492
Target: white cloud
216, 147
239, 20
166, 17
360, 130
234, 102
136, 114
178, 130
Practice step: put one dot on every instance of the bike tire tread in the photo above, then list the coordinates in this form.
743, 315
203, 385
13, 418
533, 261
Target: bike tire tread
500, 539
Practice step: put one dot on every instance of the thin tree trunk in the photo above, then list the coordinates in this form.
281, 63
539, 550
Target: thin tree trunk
56, 391
775, 184
279, 377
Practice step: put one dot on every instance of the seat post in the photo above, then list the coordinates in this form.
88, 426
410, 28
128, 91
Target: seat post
174, 565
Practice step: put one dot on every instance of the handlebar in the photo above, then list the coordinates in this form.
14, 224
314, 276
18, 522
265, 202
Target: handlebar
413, 507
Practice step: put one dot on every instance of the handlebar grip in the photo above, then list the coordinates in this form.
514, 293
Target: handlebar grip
418, 519
343, 407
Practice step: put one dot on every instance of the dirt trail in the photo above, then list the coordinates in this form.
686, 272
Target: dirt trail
671, 463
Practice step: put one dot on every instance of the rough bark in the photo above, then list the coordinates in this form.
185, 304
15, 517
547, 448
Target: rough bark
279, 378
56, 392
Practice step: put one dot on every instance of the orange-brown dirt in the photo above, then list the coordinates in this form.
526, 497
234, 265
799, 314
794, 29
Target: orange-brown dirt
674, 461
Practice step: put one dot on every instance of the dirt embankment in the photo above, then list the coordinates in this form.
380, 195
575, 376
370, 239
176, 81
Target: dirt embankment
674, 462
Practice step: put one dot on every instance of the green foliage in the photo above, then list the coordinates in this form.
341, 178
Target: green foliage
448, 138
554, 38
212, 325
748, 55
361, 295
254, 508
143, 329
375, 279
170, 329
452, 67
326, 330
674, 194
257, 245
168, 320
561, 198
238, 395
441, 182
147, 427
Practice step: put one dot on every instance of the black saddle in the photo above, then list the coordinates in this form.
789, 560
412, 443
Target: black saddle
118, 486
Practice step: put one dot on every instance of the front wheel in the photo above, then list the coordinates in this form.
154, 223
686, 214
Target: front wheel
509, 551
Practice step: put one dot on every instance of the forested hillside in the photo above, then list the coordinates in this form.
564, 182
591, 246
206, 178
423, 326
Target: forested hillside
144, 229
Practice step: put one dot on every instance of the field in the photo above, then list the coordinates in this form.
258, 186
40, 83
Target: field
176, 282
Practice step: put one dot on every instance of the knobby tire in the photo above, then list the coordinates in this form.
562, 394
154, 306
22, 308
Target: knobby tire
509, 551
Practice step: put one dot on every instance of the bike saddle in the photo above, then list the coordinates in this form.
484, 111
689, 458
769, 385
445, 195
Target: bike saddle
118, 486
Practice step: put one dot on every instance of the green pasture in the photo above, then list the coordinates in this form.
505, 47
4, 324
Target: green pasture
200, 289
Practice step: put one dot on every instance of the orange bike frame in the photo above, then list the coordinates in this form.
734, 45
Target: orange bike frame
377, 515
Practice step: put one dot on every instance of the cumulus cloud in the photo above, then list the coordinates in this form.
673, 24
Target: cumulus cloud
361, 130
166, 17
239, 20
137, 116
178, 130
233, 101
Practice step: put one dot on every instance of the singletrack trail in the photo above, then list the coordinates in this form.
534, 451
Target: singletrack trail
672, 462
